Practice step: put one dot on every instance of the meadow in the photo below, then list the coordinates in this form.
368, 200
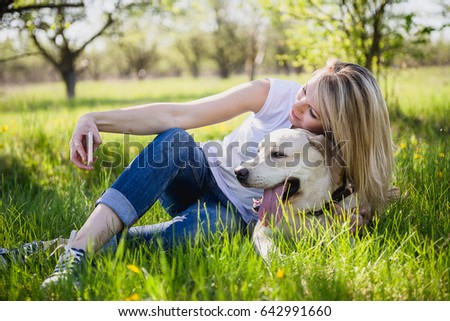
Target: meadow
406, 255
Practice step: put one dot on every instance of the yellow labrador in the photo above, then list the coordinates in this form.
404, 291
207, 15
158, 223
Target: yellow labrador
300, 175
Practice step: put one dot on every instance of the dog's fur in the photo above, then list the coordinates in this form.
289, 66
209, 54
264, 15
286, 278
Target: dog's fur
300, 166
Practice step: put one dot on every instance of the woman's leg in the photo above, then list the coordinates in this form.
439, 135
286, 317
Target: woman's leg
173, 162
172, 158
102, 224
210, 214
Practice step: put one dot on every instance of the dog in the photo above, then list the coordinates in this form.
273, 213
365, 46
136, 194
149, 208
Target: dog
300, 175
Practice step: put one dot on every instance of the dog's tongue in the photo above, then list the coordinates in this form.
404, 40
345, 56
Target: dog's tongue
270, 205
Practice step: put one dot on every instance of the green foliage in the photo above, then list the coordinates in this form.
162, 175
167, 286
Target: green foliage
423, 54
404, 257
368, 32
202, 37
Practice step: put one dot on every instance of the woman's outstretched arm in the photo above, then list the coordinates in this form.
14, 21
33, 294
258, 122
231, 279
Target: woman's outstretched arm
155, 118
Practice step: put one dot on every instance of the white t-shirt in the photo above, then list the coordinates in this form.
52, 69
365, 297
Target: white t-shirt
242, 144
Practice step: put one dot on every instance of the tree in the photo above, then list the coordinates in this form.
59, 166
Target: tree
193, 49
253, 32
17, 6
278, 39
139, 58
229, 46
62, 29
366, 31
230, 33
49, 26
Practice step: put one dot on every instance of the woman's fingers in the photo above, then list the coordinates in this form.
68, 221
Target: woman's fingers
97, 139
358, 217
79, 141
77, 150
78, 156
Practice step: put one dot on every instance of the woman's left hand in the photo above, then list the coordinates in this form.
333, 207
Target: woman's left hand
359, 217
78, 142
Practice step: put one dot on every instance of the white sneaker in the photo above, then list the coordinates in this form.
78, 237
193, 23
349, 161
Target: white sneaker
67, 262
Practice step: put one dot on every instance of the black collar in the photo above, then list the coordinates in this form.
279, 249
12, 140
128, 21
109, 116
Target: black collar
338, 195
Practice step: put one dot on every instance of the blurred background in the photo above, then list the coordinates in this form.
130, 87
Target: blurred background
76, 40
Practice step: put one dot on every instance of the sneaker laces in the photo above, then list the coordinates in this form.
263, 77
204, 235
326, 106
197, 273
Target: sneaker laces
69, 258
68, 245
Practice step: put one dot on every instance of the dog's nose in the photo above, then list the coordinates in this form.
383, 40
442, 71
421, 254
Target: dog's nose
241, 173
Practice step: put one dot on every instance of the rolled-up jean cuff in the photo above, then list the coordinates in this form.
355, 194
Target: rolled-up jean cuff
120, 205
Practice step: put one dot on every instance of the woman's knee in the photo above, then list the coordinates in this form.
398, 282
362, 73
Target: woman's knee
180, 146
172, 146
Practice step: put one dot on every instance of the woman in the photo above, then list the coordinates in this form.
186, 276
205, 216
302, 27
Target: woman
196, 184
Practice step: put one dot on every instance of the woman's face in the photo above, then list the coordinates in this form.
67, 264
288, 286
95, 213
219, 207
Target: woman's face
305, 110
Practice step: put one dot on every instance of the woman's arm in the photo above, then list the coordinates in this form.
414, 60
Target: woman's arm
158, 117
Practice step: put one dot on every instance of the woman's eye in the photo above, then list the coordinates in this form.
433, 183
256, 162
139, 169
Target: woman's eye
312, 113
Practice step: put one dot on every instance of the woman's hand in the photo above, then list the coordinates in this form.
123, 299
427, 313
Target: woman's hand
78, 142
359, 218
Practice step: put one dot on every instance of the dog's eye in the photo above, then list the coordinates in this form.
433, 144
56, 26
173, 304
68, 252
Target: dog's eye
276, 154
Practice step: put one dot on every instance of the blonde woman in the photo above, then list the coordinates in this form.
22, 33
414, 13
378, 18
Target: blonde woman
342, 99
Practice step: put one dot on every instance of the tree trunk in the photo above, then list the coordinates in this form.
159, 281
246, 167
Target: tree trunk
224, 72
222, 63
250, 68
70, 79
195, 69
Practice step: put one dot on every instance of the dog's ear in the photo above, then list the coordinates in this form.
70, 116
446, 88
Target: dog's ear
325, 146
319, 142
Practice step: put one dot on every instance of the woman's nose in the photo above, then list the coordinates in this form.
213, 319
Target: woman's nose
299, 107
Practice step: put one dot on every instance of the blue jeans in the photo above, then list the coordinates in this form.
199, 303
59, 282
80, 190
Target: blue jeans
174, 170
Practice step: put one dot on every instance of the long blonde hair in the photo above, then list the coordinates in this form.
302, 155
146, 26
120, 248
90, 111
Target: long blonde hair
355, 112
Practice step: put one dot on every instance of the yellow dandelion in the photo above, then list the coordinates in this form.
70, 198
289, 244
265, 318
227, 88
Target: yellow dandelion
133, 268
133, 297
417, 156
402, 145
5, 128
442, 155
281, 273
439, 174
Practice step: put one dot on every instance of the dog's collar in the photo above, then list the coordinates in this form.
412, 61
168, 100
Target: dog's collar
338, 195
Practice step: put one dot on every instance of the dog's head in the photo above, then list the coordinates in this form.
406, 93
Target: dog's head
294, 165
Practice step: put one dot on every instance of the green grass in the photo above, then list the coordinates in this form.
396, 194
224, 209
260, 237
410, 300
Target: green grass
405, 257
